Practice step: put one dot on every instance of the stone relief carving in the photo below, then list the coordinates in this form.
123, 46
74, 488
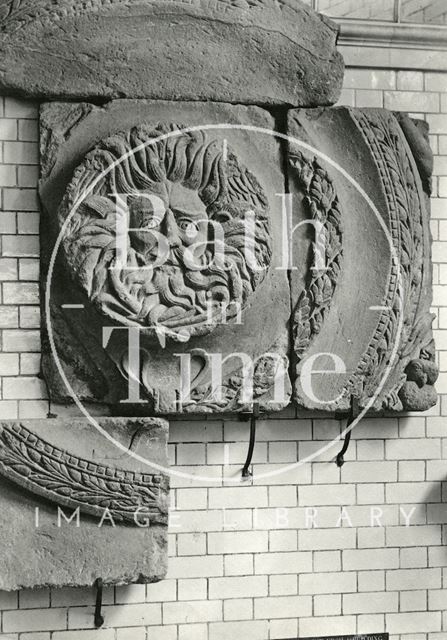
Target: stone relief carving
85, 508
60, 477
202, 266
407, 209
124, 184
200, 182
323, 207
396, 363
202, 236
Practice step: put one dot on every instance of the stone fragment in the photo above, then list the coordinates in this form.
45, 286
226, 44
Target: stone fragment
264, 52
359, 176
211, 316
79, 504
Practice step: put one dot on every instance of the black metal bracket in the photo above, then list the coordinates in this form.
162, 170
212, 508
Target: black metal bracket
246, 472
99, 618
340, 460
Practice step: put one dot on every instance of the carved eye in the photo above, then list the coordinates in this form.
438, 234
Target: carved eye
188, 227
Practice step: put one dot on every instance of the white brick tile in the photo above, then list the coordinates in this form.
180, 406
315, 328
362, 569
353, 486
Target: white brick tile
163, 591
191, 454
237, 542
282, 607
413, 579
412, 471
279, 563
371, 494
229, 497
326, 495
327, 561
9, 600
368, 623
35, 620
436, 600
238, 587
368, 98
197, 631
407, 492
413, 601
370, 450
411, 101
131, 615
188, 499
239, 564
16, 108
414, 558
249, 630
193, 589
195, 567
370, 537
369, 472
95, 634
191, 544
241, 609
370, 559
318, 583
331, 626
200, 611
326, 539
165, 632
372, 602
283, 540
24, 387
413, 536
410, 81
370, 79
283, 628
132, 593
371, 581
282, 496
283, 585
401, 623
327, 605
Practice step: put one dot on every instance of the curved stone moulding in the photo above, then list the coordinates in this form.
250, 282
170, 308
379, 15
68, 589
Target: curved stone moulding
82, 506
220, 50
371, 305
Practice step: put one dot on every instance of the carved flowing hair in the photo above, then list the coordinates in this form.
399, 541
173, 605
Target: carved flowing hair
130, 163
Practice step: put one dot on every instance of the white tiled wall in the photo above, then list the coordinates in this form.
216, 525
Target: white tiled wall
245, 561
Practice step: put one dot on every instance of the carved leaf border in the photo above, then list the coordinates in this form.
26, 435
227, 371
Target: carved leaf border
63, 478
323, 205
383, 136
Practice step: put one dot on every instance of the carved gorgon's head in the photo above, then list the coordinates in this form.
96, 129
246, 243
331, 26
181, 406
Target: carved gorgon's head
183, 203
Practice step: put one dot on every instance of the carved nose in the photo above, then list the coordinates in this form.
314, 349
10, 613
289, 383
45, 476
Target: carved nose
171, 229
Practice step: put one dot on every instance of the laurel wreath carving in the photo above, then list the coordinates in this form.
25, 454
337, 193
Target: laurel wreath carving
382, 135
60, 477
322, 202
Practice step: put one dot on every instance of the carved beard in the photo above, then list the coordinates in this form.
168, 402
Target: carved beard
173, 295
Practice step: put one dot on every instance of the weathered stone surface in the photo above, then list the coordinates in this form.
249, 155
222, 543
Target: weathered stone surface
207, 181
54, 464
248, 51
369, 303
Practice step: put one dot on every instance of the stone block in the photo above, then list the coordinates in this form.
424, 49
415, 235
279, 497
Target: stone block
247, 51
79, 504
360, 180
209, 298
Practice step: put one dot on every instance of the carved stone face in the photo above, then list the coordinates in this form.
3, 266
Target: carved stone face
183, 204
